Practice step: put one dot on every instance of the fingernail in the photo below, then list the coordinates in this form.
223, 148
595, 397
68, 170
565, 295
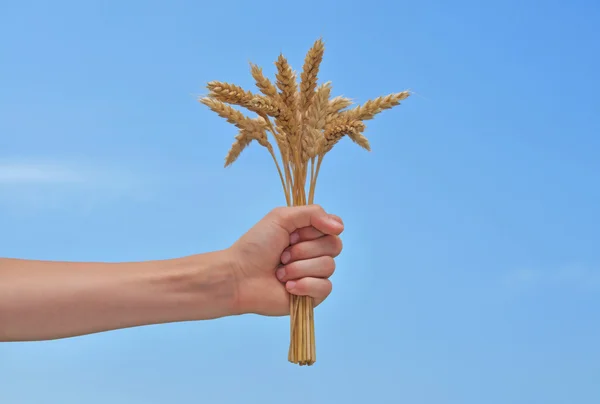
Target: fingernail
333, 222
280, 273
336, 219
294, 237
290, 285
285, 257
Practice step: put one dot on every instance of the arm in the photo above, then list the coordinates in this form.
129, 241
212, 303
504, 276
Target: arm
291, 250
47, 300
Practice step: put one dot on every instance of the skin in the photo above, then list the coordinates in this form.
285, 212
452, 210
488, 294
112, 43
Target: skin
290, 250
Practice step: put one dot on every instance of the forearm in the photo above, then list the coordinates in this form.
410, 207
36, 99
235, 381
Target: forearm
42, 300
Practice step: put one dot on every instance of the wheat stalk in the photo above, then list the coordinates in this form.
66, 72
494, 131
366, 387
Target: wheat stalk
306, 125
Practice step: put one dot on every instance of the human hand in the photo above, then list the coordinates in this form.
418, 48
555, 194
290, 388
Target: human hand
290, 250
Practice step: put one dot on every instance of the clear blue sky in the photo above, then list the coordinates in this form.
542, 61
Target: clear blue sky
471, 268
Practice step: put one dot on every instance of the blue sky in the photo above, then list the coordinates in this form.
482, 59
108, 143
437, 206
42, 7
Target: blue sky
471, 267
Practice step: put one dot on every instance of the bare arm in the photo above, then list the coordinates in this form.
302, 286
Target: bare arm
291, 250
42, 300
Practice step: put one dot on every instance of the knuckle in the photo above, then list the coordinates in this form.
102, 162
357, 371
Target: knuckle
278, 211
305, 232
317, 208
297, 251
291, 270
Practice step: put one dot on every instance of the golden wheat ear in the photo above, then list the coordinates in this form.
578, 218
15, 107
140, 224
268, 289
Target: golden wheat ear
264, 106
288, 94
336, 104
373, 107
286, 80
242, 140
253, 129
339, 128
262, 83
230, 114
310, 72
236, 95
315, 122
357, 137
229, 93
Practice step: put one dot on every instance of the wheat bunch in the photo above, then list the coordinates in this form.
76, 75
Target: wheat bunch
306, 124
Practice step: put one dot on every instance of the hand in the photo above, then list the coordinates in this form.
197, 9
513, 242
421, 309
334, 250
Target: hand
291, 250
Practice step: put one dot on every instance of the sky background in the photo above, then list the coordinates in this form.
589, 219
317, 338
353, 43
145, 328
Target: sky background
471, 264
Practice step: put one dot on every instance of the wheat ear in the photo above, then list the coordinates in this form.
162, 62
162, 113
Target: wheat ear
310, 71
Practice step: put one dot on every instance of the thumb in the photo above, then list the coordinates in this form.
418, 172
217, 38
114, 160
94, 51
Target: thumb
297, 217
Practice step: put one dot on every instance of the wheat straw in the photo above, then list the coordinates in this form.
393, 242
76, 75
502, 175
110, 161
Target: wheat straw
306, 125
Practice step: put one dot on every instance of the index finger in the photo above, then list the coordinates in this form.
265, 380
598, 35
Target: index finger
309, 233
297, 217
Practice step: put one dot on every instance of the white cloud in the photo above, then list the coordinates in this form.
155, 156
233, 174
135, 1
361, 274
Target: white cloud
36, 173
26, 185
570, 276
32, 185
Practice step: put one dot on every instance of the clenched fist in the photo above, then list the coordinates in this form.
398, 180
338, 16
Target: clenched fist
291, 249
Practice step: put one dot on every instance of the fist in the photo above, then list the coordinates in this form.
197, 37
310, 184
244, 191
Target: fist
290, 250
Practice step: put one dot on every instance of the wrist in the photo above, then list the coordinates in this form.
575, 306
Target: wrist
203, 286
